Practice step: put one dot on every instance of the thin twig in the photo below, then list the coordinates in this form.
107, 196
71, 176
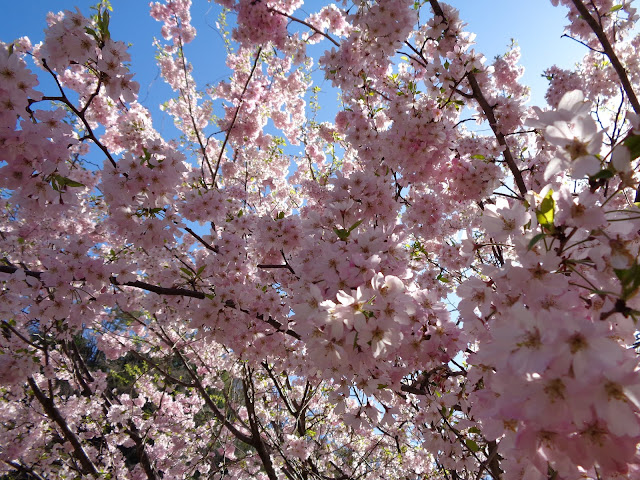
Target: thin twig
191, 116
306, 24
207, 245
235, 116
79, 114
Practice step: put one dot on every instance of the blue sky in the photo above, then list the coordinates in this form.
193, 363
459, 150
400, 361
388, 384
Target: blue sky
536, 25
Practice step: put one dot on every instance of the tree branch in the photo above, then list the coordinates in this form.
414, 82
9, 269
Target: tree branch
493, 123
306, 24
259, 445
211, 404
610, 53
207, 245
54, 414
203, 149
488, 111
80, 115
171, 291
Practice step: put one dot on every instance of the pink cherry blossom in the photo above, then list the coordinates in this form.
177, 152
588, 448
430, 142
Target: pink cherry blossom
381, 293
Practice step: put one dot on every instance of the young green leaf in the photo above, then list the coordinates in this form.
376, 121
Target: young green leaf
545, 213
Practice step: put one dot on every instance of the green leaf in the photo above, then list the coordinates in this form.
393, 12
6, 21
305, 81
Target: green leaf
280, 216
354, 226
447, 64
186, 271
602, 174
535, 240
149, 212
72, 183
478, 156
615, 8
473, 446
147, 154
545, 213
200, 270
342, 233
58, 182
630, 280
474, 430
632, 142
91, 32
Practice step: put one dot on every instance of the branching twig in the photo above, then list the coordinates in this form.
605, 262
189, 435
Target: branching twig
63, 98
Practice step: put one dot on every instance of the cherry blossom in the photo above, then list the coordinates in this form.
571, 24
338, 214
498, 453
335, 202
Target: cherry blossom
384, 293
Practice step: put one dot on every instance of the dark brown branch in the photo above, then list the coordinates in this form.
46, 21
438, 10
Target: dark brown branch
437, 9
463, 94
183, 292
23, 469
279, 265
12, 269
114, 281
412, 389
92, 96
259, 445
283, 396
172, 291
54, 414
202, 241
271, 321
610, 53
494, 459
488, 111
416, 60
582, 43
493, 123
6, 325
